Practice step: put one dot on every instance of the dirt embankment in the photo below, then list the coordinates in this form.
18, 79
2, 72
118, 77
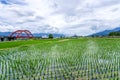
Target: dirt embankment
63, 40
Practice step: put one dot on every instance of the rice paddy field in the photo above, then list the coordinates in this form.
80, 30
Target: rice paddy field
61, 59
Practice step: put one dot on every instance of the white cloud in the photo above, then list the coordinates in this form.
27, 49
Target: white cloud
59, 16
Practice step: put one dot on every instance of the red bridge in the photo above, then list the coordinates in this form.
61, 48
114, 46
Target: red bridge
19, 34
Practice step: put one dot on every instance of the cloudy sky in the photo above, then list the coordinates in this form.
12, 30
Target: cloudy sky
81, 17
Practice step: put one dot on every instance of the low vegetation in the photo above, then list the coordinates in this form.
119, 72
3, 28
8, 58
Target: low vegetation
66, 59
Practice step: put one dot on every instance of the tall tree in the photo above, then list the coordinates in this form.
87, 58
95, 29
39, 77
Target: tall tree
51, 36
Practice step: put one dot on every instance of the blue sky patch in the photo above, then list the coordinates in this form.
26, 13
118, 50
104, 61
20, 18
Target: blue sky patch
4, 1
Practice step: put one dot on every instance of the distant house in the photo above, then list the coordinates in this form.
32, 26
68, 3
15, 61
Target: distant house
45, 36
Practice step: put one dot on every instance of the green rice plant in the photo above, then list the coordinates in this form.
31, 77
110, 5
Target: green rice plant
51, 59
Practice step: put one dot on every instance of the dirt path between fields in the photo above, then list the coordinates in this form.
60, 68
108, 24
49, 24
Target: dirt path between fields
63, 40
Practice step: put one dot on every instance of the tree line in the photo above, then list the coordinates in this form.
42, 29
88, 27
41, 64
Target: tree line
114, 34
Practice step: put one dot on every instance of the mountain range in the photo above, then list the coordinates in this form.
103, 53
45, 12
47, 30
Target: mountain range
106, 32
102, 33
34, 34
